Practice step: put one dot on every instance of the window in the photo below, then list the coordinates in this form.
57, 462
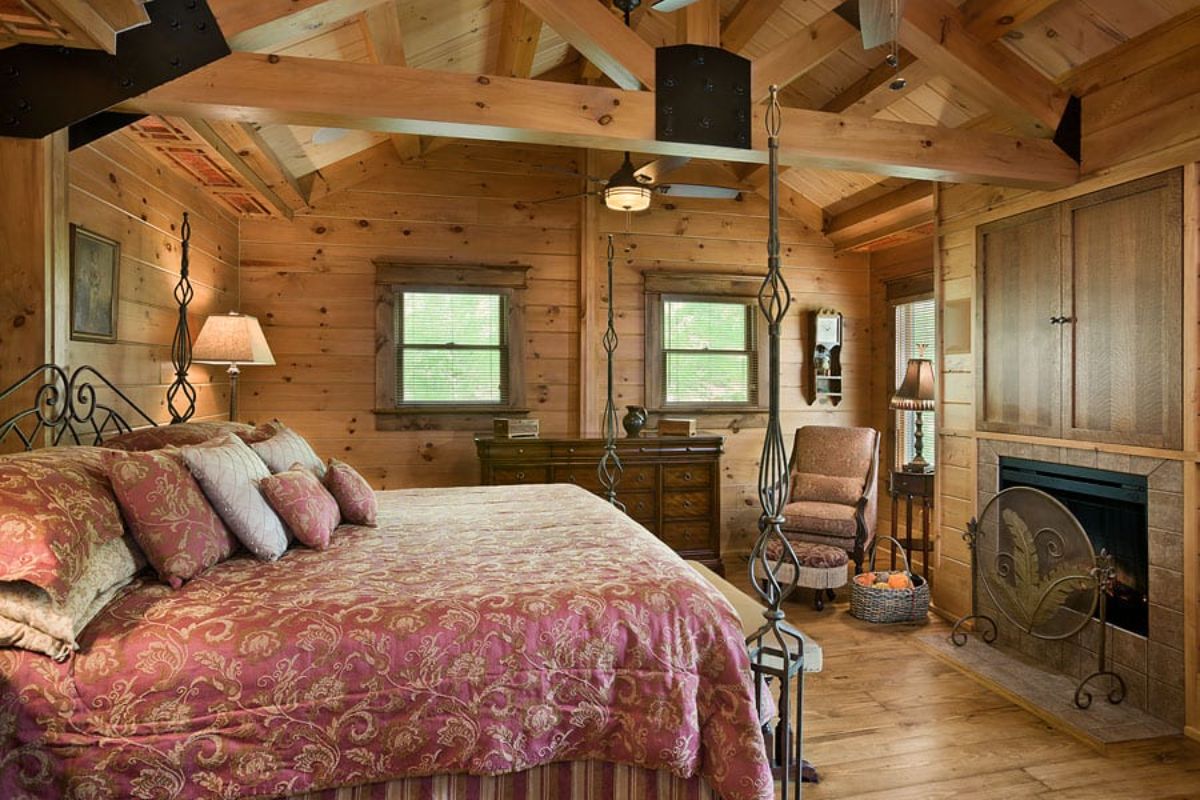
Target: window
451, 347
708, 352
915, 328
448, 341
702, 347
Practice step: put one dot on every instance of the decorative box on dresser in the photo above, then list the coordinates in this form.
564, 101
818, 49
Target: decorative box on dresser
671, 485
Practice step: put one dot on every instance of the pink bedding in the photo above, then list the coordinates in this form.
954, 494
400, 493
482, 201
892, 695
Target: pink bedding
478, 630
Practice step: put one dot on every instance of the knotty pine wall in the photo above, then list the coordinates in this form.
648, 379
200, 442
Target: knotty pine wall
116, 190
311, 282
730, 237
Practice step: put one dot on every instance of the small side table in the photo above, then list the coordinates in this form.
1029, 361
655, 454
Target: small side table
913, 487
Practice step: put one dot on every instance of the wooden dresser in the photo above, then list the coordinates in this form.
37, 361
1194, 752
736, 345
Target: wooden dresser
670, 485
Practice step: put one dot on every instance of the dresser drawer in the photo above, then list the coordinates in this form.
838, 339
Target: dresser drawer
686, 505
632, 479
687, 535
639, 505
686, 475
502, 476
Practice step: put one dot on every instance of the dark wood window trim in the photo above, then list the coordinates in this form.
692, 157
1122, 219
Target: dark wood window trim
393, 278
660, 286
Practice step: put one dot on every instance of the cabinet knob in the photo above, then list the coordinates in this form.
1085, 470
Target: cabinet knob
687, 503
520, 476
687, 476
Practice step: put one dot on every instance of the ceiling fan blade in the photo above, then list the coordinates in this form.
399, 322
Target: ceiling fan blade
875, 21
671, 5
656, 169
698, 190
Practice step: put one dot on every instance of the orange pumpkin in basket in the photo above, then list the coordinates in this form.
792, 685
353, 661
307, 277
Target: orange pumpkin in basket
898, 580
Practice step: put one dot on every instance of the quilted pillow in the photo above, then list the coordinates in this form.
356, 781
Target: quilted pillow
167, 514
807, 486
56, 508
228, 471
355, 497
31, 620
179, 435
286, 448
306, 507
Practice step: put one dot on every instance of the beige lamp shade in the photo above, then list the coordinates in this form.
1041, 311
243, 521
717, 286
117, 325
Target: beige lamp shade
232, 339
916, 390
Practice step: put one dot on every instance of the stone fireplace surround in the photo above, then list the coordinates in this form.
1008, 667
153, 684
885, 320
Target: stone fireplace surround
1152, 666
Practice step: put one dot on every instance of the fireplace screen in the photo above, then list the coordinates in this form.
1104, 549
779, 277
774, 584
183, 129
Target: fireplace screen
1035, 564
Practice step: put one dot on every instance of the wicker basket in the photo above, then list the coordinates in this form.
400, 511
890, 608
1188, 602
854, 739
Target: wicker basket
890, 605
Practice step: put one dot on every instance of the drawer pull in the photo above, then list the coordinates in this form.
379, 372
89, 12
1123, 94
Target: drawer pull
687, 503
687, 476
642, 477
520, 476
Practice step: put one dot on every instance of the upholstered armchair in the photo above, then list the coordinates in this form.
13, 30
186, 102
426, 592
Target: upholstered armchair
834, 489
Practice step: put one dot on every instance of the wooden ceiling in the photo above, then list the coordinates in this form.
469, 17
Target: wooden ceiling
997, 66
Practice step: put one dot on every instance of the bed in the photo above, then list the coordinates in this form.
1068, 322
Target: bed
472, 645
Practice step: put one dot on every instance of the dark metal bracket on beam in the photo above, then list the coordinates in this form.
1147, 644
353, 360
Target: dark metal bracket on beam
46, 88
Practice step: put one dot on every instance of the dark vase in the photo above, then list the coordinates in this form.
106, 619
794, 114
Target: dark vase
634, 420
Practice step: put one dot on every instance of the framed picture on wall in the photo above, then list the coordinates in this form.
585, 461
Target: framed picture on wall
95, 274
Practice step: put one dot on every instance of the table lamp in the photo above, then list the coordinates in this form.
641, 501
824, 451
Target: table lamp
916, 394
236, 340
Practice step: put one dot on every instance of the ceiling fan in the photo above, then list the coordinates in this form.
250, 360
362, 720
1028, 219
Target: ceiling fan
631, 188
657, 5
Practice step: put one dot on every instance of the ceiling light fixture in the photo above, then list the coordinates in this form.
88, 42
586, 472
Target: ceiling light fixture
624, 192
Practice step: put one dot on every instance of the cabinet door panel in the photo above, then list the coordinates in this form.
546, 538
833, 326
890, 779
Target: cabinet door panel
1124, 347
1019, 273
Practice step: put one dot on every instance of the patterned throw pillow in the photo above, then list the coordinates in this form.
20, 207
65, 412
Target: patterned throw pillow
29, 619
178, 435
826, 488
355, 497
306, 507
286, 448
167, 514
56, 508
228, 471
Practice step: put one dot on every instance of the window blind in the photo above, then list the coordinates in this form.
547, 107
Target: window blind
451, 348
915, 326
708, 352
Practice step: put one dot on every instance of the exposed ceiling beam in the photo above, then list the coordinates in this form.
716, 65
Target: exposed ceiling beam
700, 23
872, 93
244, 140
908, 207
276, 203
317, 92
745, 21
988, 20
520, 31
262, 25
793, 57
1134, 55
90, 25
933, 30
386, 39
603, 39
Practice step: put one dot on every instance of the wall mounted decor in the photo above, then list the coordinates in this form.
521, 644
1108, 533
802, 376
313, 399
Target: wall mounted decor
825, 368
95, 291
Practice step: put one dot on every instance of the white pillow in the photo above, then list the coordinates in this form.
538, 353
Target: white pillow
229, 471
287, 448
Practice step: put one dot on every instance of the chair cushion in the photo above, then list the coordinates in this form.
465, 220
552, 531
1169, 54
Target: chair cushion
829, 450
827, 488
825, 519
811, 554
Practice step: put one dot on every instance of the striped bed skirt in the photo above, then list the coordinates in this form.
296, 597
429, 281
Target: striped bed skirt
577, 780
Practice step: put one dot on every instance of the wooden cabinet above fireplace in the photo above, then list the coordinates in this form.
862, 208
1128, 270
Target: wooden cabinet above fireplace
1080, 318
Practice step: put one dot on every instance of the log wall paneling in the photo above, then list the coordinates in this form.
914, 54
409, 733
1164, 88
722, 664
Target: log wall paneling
729, 237
117, 190
32, 239
311, 282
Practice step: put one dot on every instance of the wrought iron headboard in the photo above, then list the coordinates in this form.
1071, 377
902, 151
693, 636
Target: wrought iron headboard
67, 409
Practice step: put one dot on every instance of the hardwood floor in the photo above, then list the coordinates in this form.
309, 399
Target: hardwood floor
886, 720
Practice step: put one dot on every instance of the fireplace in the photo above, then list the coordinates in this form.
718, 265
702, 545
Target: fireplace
1112, 508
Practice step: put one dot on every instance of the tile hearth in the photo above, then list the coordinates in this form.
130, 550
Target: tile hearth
1152, 665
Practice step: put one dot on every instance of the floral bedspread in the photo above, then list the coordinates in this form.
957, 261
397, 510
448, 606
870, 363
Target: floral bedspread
477, 630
